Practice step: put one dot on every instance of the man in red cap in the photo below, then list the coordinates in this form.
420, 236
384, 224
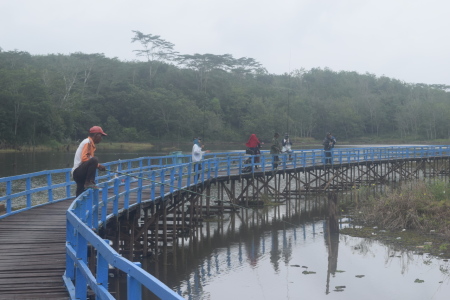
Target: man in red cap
85, 163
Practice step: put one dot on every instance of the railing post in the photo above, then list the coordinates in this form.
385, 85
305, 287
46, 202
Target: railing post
216, 167
162, 180
116, 197
50, 190
80, 280
8, 199
88, 208
68, 184
28, 187
304, 159
172, 179
95, 209
134, 288
126, 199
153, 190
105, 203
70, 240
102, 269
313, 158
139, 191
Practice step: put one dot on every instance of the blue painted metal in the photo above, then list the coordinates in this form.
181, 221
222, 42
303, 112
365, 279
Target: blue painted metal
23, 192
88, 211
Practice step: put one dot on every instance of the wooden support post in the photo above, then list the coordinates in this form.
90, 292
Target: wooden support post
333, 212
208, 197
145, 236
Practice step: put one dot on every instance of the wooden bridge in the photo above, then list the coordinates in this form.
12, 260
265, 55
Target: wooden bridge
67, 249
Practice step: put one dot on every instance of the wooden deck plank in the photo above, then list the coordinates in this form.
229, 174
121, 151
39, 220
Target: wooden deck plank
32, 253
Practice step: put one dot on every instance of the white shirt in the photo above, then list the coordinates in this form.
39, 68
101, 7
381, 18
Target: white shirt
78, 159
197, 153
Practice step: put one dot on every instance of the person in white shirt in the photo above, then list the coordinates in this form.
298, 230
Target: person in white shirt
287, 144
85, 164
197, 155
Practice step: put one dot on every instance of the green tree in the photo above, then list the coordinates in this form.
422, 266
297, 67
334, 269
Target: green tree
156, 50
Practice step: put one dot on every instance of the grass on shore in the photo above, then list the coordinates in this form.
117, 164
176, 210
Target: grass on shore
414, 205
415, 216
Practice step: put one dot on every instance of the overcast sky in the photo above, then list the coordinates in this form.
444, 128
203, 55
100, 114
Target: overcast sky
401, 39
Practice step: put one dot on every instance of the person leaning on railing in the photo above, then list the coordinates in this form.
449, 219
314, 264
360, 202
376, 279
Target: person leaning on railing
85, 163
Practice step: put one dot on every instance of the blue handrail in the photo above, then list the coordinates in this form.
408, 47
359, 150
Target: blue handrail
22, 192
81, 225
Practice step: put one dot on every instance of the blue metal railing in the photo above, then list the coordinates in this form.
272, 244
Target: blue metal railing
159, 176
82, 220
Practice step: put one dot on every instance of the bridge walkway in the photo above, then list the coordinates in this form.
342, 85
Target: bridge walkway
32, 253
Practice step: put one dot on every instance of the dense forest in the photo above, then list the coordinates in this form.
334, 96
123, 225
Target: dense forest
56, 98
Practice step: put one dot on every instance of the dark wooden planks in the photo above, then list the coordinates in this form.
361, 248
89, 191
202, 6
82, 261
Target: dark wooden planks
32, 253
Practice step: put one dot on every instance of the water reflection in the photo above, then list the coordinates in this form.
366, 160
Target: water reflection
266, 255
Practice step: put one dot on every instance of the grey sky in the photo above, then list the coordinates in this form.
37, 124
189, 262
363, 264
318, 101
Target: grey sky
402, 39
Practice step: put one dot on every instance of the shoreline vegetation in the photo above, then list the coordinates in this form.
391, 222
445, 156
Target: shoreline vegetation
414, 216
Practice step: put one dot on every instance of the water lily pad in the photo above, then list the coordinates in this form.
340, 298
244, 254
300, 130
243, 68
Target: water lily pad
297, 266
308, 272
340, 287
419, 280
360, 276
339, 271
338, 290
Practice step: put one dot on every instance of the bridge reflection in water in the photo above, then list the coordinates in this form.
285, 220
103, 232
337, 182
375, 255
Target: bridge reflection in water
274, 253
239, 241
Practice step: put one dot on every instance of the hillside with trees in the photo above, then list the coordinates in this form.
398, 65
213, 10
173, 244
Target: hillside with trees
56, 98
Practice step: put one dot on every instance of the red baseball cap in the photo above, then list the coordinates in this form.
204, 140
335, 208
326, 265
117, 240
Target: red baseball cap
97, 129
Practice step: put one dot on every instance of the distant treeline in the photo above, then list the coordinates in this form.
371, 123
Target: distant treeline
57, 98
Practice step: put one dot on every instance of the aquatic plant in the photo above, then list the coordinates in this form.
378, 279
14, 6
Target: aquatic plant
416, 205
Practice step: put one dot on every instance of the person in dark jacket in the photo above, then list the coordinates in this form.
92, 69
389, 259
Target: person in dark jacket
275, 149
328, 145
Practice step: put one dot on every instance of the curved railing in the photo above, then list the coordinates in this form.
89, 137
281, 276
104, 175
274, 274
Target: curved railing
22, 192
159, 176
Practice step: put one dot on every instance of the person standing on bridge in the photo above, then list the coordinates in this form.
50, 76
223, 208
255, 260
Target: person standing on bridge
328, 145
287, 144
85, 163
253, 144
275, 149
197, 155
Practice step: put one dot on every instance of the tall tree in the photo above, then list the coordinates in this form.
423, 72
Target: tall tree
156, 50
